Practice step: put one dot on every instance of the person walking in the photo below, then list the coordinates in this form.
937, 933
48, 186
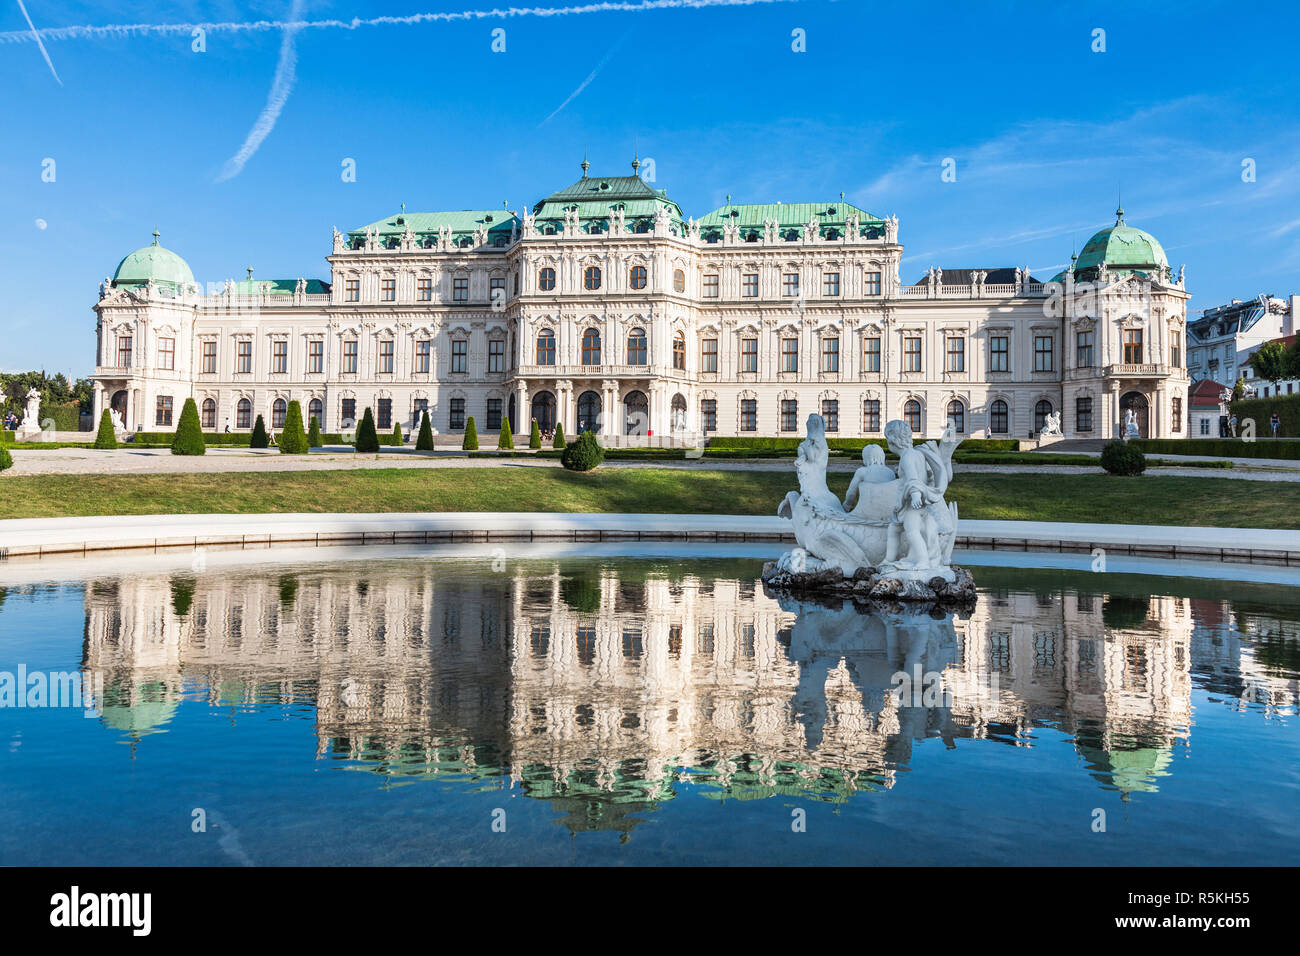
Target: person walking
1274, 423
1232, 424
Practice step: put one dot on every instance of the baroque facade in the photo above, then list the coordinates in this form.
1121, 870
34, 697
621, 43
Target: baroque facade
604, 307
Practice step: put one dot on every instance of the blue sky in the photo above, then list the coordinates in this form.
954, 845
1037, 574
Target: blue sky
1044, 131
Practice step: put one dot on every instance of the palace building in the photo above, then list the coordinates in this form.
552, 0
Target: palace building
605, 307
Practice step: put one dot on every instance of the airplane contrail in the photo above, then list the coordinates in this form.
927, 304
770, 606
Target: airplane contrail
37, 37
583, 85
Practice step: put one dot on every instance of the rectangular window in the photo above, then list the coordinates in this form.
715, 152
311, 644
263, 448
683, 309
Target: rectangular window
956, 353
999, 354
163, 412
871, 414
210, 358
456, 420
749, 414
709, 414
1205, 426
316, 356
384, 414
497, 355
494, 414
424, 290
1176, 412
124, 351
419, 407
244, 353
709, 355
749, 285
831, 414
167, 354
749, 355
388, 290
423, 352
789, 415
1083, 414
460, 288
790, 284
497, 291
830, 283
459, 355
830, 355
1042, 353
348, 412
912, 354
871, 354
386, 357
711, 285
1083, 350
280, 357
352, 290
1132, 346
789, 355
350, 356
1176, 351
871, 283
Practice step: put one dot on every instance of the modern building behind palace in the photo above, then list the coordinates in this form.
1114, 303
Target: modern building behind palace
605, 307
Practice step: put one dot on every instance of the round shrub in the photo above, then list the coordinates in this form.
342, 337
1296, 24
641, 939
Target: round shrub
471, 436
425, 440
1121, 458
293, 440
106, 437
584, 454
367, 438
189, 433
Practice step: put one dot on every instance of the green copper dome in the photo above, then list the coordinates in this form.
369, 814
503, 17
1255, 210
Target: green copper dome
153, 262
1122, 248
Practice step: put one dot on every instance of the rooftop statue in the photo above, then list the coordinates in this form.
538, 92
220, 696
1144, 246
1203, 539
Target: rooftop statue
896, 541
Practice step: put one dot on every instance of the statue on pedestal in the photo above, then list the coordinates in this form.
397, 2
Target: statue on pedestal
1131, 425
30, 428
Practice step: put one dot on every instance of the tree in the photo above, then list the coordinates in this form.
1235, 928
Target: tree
535, 437
1271, 362
293, 440
1239, 390
106, 438
367, 438
424, 442
471, 436
313, 434
189, 433
559, 436
398, 438
584, 454
259, 438
507, 439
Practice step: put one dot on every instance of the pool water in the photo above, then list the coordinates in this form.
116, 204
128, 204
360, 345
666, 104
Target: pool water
422, 710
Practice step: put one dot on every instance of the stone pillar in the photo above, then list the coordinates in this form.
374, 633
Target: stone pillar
613, 414
522, 423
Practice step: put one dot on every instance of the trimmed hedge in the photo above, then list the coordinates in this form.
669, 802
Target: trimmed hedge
189, 433
559, 441
584, 454
367, 438
232, 439
293, 440
535, 436
506, 438
424, 442
314, 437
1262, 447
106, 437
854, 445
1262, 409
67, 417
6, 459
259, 438
470, 442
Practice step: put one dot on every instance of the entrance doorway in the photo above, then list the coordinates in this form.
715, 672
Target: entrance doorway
1138, 402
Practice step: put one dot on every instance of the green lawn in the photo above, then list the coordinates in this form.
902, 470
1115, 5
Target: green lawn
1149, 499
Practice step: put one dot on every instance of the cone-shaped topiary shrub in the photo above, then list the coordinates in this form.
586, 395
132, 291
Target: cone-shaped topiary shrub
106, 437
559, 436
398, 438
424, 442
189, 433
507, 439
259, 438
535, 437
6, 459
293, 440
367, 437
313, 434
584, 454
471, 436
1121, 458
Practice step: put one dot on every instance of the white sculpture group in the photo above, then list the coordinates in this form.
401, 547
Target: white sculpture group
896, 524
30, 427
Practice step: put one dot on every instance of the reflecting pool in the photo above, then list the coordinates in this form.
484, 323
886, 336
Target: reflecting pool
412, 709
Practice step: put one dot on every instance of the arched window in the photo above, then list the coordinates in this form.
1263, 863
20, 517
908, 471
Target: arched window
278, 408
588, 412
912, 415
637, 277
244, 414
315, 411
591, 278
546, 347
679, 352
1041, 411
999, 423
679, 413
957, 416
591, 347
544, 411
546, 279
636, 350
679, 280
209, 413
636, 414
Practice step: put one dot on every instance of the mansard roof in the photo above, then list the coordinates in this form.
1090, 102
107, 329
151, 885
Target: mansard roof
995, 276
1230, 319
280, 287
462, 222
596, 197
792, 216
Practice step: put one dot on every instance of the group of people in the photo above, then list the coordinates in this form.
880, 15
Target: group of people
12, 421
1228, 427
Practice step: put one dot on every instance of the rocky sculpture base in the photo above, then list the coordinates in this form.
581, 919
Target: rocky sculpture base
869, 585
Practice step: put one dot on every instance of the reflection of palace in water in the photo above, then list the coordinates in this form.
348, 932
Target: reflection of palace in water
602, 688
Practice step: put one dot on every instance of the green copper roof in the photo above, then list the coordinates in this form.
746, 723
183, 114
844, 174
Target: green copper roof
279, 287
1122, 248
153, 262
596, 197
792, 218
426, 225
